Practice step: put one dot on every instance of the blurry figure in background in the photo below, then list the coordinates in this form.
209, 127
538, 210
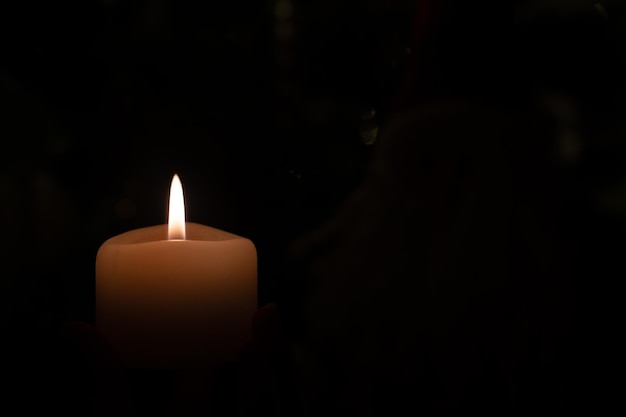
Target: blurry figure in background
444, 286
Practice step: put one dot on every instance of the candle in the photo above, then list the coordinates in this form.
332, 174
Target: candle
176, 296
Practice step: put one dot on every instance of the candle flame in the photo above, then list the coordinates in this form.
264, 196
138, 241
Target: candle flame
176, 219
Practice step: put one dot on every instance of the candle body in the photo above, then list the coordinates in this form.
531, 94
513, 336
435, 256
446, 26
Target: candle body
176, 304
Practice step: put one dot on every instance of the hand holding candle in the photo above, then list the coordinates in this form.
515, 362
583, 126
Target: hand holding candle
176, 296
266, 369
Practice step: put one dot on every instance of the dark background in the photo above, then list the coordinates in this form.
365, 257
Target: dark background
103, 101
268, 118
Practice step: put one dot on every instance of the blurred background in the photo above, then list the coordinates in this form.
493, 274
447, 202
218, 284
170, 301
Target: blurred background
265, 109
270, 112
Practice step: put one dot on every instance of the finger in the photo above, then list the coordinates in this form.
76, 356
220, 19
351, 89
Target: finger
267, 368
105, 372
97, 352
267, 329
271, 342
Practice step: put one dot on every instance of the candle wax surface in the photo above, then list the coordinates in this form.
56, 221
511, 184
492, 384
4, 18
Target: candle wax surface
175, 304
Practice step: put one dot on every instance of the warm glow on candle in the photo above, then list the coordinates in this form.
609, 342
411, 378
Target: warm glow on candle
172, 303
176, 220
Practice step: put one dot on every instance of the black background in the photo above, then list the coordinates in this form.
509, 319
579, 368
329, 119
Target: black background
264, 119
103, 102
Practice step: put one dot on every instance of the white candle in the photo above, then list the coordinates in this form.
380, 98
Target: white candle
185, 301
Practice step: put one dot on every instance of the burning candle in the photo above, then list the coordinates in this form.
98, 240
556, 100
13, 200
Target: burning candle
176, 296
